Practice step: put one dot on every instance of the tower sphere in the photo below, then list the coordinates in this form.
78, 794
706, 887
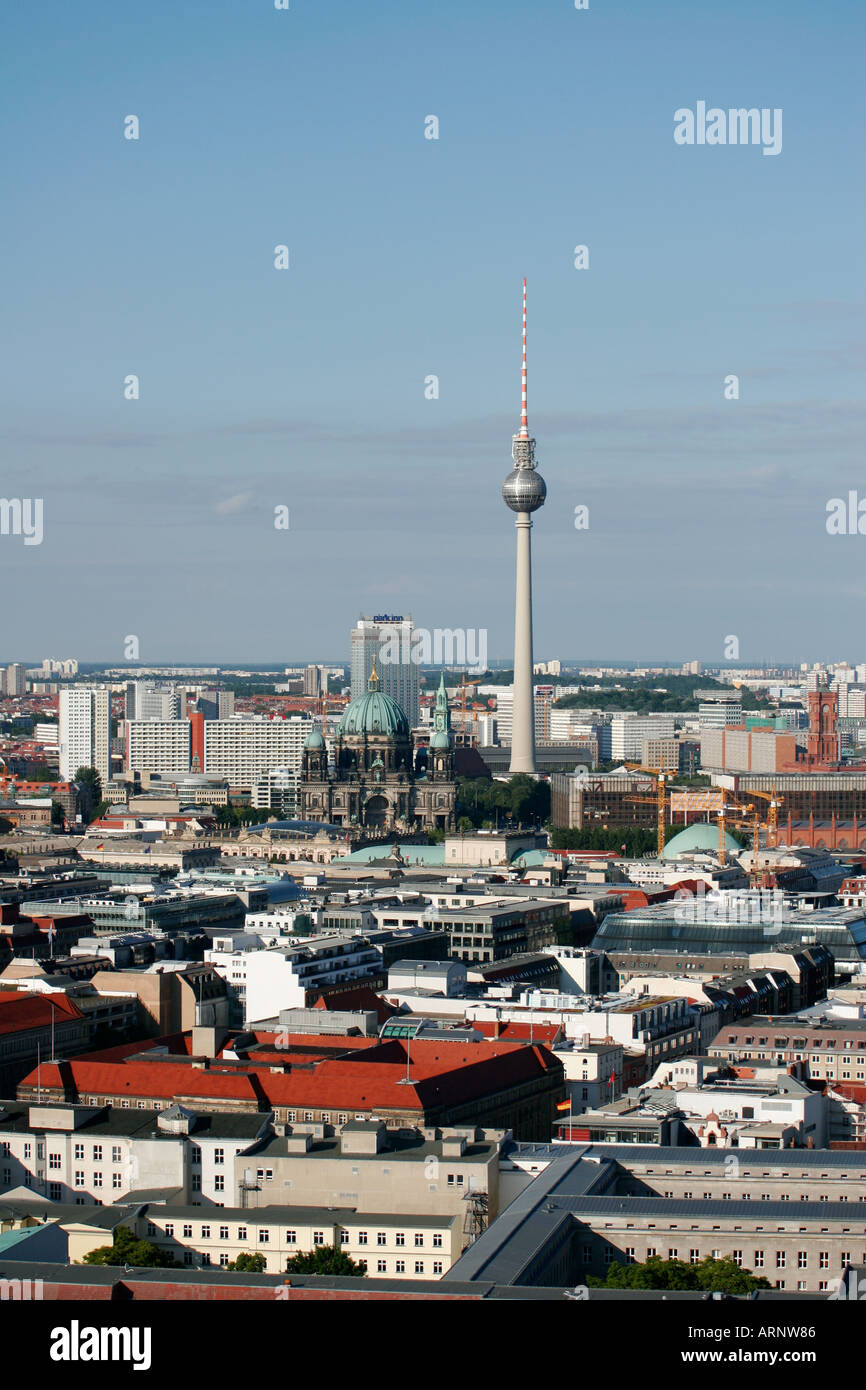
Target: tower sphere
524, 490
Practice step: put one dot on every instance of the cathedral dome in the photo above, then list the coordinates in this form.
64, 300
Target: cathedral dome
314, 740
440, 739
373, 713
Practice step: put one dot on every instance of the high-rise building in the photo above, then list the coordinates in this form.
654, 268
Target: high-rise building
386, 642
158, 745
85, 731
148, 700
246, 751
16, 679
313, 681
629, 732
524, 491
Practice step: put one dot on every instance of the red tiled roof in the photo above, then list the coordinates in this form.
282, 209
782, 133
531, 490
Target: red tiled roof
20, 1012
514, 1032
368, 1076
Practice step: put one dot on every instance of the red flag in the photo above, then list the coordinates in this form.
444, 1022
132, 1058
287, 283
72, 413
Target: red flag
613, 1078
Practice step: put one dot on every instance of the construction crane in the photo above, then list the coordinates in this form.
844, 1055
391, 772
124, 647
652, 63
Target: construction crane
722, 814
659, 799
772, 813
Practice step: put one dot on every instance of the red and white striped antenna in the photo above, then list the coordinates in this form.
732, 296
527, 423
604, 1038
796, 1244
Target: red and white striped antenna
524, 426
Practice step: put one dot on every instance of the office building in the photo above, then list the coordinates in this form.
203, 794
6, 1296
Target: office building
85, 731
386, 643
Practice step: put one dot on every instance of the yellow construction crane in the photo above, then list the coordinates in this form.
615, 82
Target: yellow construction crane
659, 799
725, 807
772, 813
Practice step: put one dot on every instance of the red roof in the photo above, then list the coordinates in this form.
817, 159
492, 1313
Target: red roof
20, 1012
546, 1033
369, 1075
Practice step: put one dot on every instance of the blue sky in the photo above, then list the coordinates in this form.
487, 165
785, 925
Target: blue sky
306, 387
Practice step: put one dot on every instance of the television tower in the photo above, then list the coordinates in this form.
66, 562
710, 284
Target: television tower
524, 491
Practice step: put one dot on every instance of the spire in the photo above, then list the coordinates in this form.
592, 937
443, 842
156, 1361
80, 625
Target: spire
373, 682
524, 426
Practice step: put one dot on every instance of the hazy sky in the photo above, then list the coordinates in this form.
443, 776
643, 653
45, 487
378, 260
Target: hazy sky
306, 387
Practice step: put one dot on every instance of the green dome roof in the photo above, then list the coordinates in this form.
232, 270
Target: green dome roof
374, 713
699, 839
440, 739
314, 739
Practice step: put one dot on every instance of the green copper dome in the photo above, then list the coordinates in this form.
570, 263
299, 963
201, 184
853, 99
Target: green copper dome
374, 713
440, 739
314, 739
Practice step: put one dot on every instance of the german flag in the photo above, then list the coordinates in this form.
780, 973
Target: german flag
563, 1105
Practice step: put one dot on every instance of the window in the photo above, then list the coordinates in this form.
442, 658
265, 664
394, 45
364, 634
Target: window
205, 1259
219, 1182
187, 1231
694, 1256
344, 1237
381, 1266
419, 1266
673, 1254
629, 1254
308, 1114
116, 1153
79, 1151
845, 1258
117, 1181
196, 1182
205, 1232
318, 1237
437, 1239
194, 1153
400, 1238
219, 1156
802, 1259
54, 1160
28, 1150
781, 1259
737, 1257
437, 1266
264, 1236
419, 1238
758, 1261
169, 1228
79, 1177
242, 1232
224, 1232
381, 1238
224, 1259
362, 1237
399, 1266
55, 1190
97, 1153
97, 1179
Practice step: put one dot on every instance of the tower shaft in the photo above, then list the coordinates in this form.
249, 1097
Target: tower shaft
523, 726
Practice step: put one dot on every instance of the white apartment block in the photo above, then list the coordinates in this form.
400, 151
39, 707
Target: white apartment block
85, 721
279, 978
156, 745
87, 1155
47, 734
245, 751
629, 733
718, 714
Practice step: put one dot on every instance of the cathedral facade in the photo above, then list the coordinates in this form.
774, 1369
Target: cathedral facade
375, 778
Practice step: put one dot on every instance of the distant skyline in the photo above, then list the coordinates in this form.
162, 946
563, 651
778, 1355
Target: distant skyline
305, 388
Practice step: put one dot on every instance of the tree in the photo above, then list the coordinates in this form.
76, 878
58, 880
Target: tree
58, 815
89, 777
249, 1264
125, 1249
713, 1276
325, 1259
